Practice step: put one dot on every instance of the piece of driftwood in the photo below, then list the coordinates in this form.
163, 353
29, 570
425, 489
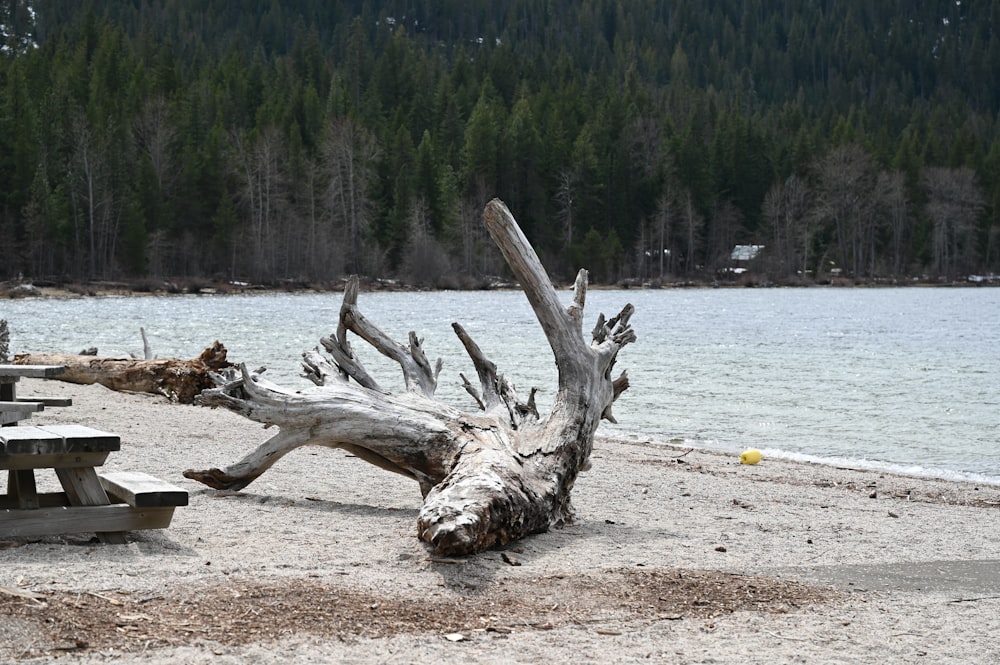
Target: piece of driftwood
488, 477
178, 379
4, 341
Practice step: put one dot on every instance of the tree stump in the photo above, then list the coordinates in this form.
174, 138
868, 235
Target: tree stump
488, 477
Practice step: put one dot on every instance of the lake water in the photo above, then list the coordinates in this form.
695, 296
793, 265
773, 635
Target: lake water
899, 379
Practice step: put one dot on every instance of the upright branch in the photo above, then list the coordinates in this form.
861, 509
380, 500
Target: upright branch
418, 374
497, 391
562, 327
487, 477
4, 341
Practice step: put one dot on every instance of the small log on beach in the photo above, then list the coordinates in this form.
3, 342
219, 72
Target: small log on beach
178, 379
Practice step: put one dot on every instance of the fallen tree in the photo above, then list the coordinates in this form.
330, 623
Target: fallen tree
487, 478
178, 379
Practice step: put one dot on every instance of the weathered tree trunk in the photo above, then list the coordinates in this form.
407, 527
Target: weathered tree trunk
178, 379
486, 478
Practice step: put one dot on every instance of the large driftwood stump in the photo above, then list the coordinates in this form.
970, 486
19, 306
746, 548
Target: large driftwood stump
487, 478
178, 379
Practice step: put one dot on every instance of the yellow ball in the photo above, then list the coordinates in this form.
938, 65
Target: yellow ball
751, 456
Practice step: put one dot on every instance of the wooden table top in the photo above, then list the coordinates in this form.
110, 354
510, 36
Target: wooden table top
31, 371
54, 440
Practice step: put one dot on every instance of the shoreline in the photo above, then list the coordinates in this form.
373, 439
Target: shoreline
48, 289
677, 555
914, 471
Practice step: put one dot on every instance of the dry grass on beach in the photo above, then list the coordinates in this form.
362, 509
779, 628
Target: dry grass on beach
241, 612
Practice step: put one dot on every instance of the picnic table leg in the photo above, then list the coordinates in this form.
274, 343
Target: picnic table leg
21, 484
83, 488
7, 394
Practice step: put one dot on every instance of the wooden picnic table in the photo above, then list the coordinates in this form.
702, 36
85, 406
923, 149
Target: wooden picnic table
107, 504
13, 409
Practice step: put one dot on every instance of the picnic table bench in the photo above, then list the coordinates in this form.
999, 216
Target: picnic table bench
14, 409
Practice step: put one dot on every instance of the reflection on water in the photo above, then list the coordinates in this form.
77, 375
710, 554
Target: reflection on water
907, 377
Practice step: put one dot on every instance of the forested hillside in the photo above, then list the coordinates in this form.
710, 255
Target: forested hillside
271, 140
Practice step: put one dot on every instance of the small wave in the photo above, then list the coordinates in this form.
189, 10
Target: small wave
859, 464
875, 465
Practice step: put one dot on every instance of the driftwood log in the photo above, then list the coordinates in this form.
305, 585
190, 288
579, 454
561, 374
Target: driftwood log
178, 379
487, 478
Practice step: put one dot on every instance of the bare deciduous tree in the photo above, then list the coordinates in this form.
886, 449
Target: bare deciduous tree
890, 193
96, 194
789, 224
845, 201
155, 134
655, 250
954, 202
263, 194
564, 205
425, 261
693, 223
349, 153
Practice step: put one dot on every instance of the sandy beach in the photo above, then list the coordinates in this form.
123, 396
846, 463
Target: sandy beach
677, 555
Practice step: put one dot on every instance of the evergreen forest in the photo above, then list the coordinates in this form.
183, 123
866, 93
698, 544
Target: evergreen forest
297, 141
